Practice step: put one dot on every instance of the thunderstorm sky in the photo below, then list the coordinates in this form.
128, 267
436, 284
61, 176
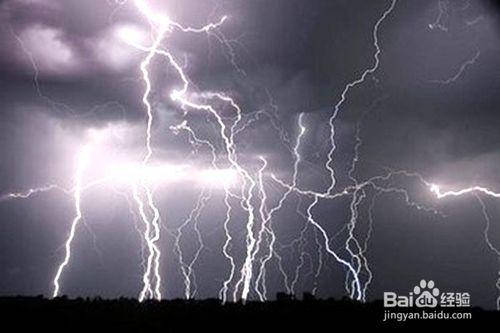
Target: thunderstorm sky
431, 107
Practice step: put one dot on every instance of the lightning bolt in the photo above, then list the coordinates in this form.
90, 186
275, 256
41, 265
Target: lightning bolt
264, 231
356, 290
187, 268
163, 25
267, 216
491, 247
32, 191
442, 15
181, 96
475, 191
353, 84
226, 248
83, 160
436, 189
461, 70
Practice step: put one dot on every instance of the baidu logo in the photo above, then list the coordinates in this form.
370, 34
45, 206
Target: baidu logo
426, 295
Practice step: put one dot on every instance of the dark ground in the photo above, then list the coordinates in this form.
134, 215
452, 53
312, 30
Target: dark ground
210, 315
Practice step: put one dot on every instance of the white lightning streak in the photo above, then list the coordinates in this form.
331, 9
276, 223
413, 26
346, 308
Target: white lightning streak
329, 162
187, 269
310, 219
32, 191
351, 85
146, 291
492, 248
436, 189
82, 163
181, 96
150, 223
266, 229
443, 10
165, 25
226, 247
475, 191
461, 70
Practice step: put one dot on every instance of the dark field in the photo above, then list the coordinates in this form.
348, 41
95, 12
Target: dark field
180, 315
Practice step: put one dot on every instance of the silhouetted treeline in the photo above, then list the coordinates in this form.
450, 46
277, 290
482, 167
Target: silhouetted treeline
211, 315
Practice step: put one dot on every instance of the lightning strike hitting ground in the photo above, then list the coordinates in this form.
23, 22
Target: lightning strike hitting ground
491, 247
266, 227
356, 291
83, 160
187, 267
180, 96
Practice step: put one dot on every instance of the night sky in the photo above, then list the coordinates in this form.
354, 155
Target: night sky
429, 108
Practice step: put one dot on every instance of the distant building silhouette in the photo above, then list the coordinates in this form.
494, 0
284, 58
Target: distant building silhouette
307, 296
280, 297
